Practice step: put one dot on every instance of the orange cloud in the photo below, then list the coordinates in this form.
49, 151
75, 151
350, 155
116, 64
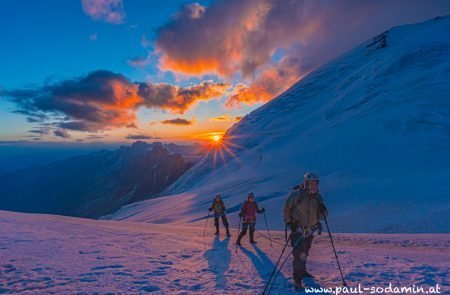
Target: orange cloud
212, 43
140, 137
103, 100
272, 82
179, 99
257, 41
221, 118
179, 122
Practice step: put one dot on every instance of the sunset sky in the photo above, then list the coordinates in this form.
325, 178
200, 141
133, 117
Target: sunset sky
121, 70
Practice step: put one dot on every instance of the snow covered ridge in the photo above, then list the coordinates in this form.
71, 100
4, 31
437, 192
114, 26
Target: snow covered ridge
43, 254
374, 123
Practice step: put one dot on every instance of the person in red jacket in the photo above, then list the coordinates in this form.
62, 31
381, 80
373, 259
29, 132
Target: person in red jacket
248, 215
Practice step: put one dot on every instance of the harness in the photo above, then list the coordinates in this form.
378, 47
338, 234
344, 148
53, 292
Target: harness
305, 231
222, 208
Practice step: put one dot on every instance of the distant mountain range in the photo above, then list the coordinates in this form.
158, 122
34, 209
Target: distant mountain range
98, 183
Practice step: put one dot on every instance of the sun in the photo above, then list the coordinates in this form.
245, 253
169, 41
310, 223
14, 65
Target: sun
216, 138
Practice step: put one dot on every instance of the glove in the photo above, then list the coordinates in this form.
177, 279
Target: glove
240, 214
292, 226
263, 210
210, 209
322, 209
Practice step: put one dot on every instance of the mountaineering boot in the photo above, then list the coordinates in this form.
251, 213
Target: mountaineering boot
298, 285
238, 242
252, 241
217, 230
228, 232
307, 275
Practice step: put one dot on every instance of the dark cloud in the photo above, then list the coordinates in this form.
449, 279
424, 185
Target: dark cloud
32, 119
140, 137
105, 100
100, 100
96, 136
222, 118
273, 43
79, 126
61, 133
178, 121
41, 131
179, 99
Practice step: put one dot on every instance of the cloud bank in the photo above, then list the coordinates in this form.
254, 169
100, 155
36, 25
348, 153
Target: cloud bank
105, 100
178, 122
140, 137
270, 44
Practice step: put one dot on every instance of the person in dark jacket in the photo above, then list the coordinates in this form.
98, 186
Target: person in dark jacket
303, 210
248, 215
218, 208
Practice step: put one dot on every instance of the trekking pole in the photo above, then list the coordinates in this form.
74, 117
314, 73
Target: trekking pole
276, 265
239, 231
334, 249
268, 233
206, 223
284, 262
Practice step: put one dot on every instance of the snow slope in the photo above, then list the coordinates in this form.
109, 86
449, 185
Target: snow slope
374, 123
42, 254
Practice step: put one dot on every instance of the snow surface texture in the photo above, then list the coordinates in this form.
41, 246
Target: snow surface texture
374, 123
41, 254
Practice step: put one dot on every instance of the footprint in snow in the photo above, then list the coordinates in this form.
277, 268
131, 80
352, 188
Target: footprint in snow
89, 252
140, 282
124, 274
186, 256
196, 287
88, 280
96, 273
107, 266
371, 265
150, 288
156, 273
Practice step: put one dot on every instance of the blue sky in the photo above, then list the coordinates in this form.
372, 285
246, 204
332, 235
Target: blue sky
53, 40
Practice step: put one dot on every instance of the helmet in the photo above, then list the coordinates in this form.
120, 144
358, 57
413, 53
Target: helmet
310, 176
218, 196
251, 194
